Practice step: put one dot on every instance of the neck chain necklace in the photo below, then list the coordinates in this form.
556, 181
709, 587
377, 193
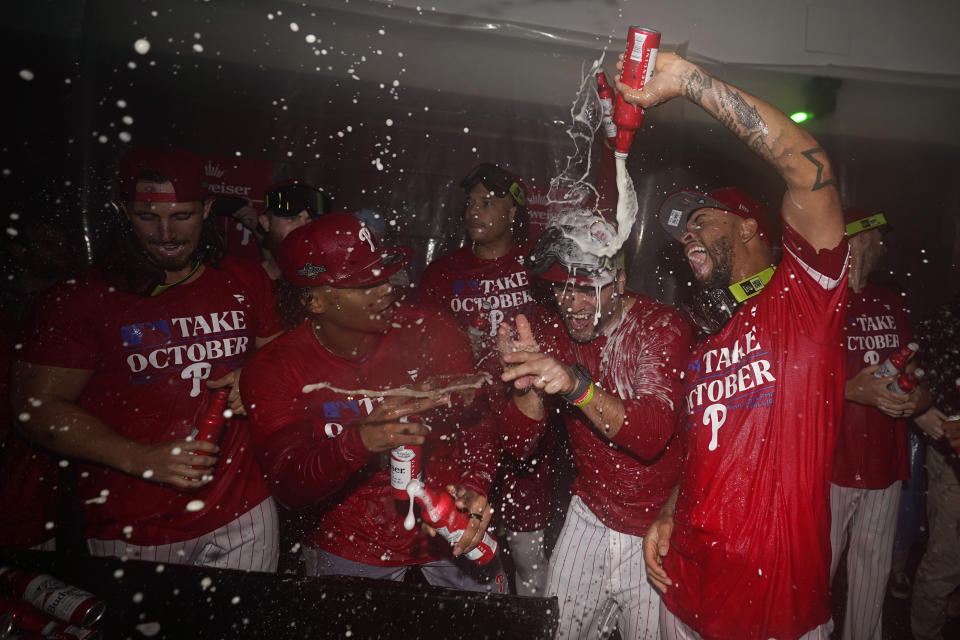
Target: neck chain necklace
160, 288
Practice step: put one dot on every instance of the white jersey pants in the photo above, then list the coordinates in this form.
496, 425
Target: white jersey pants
672, 628
600, 580
866, 520
248, 543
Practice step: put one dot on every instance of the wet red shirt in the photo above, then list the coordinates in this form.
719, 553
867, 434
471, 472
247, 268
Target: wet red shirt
314, 457
481, 294
625, 480
750, 552
150, 358
871, 448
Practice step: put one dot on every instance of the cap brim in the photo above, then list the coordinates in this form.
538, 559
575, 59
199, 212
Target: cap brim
676, 209
394, 259
556, 273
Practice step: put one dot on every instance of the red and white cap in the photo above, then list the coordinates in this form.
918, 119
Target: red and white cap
184, 170
338, 250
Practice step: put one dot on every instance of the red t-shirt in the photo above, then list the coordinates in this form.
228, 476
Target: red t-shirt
481, 294
626, 480
750, 551
871, 448
150, 358
314, 458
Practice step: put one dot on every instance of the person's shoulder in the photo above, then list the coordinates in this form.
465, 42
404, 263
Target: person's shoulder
88, 283
284, 348
657, 312
452, 260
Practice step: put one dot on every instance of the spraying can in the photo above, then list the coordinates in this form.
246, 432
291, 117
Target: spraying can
606, 94
639, 61
55, 597
406, 464
441, 513
896, 362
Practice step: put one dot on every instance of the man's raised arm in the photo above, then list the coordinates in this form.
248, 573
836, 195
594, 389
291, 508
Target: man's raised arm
811, 204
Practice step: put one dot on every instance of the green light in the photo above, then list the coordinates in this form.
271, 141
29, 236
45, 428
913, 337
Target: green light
801, 116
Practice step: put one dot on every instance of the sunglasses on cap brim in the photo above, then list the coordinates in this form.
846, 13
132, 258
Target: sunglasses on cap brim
554, 247
288, 201
496, 180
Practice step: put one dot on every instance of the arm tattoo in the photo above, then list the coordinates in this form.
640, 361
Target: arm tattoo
818, 182
744, 120
695, 84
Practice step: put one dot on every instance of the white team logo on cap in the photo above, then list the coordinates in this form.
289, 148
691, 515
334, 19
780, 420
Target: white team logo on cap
367, 237
674, 220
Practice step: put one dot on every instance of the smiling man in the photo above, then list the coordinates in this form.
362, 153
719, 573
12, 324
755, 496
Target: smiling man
119, 364
328, 452
744, 551
610, 363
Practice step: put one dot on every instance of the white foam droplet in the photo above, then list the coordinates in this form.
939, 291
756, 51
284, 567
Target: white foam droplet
148, 629
141, 46
195, 505
294, 27
26, 74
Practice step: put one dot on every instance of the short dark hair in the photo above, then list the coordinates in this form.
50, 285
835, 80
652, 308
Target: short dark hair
291, 303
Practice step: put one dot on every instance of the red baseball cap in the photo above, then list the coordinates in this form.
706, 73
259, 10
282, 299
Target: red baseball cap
184, 170
338, 250
676, 209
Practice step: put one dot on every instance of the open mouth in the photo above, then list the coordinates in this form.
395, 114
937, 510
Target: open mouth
699, 260
170, 249
580, 320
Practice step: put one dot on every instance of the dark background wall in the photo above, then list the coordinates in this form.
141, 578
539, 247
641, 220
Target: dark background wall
257, 88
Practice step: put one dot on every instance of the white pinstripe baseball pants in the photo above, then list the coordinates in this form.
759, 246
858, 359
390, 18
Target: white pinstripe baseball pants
593, 569
249, 543
867, 520
672, 628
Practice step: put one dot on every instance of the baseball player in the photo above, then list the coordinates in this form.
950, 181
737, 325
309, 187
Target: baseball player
611, 364
328, 451
286, 206
482, 285
120, 362
745, 546
870, 461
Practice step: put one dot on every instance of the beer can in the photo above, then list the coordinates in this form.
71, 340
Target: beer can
640, 58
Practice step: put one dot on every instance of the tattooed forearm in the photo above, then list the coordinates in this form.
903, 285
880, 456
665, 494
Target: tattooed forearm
819, 182
695, 83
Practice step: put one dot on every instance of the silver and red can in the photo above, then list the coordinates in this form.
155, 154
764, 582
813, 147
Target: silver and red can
55, 597
26, 619
639, 61
406, 464
607, 95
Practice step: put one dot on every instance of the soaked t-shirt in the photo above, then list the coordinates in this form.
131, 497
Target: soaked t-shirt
871, 450
311, 451
750, 551
151, 358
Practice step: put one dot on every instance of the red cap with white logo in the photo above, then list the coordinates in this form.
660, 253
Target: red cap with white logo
338, 250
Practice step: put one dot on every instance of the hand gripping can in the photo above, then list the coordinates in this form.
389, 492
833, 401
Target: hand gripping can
639, 60
406, 464
439, 510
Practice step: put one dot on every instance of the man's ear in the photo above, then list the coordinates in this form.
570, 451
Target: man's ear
314, 300
747, 229
206, 207
264, 223
621, 285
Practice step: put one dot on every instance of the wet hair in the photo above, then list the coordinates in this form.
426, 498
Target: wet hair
291, 303
125, 262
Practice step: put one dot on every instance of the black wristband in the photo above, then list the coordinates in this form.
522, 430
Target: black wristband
583, 383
